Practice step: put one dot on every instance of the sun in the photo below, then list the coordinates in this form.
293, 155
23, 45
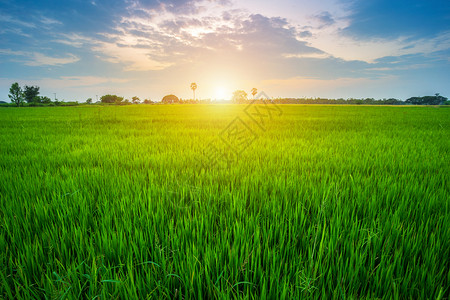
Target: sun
221, 93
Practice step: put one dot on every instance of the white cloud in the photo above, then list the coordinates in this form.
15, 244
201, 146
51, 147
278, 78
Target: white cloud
49, 21
11, 20
370, 50
11, 52
74, 40
307, 55
68, 81
135, 59
38, 59
16, 31
331, 39
158, 38
80, 81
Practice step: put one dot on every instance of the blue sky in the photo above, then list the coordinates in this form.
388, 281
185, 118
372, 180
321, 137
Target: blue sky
288, 48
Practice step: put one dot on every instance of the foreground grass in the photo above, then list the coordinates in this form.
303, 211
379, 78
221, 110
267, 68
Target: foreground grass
327, 202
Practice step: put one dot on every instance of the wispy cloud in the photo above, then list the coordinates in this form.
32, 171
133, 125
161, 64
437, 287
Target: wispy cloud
49, 21
81, 81
73, 39
319, 55
69, 81
369, 50
134, 58
15, 31
12, 20
38, 59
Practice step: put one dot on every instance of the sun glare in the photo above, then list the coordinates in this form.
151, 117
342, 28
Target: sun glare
221, 93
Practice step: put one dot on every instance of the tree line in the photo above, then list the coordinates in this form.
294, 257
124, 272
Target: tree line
30, 95
241, 97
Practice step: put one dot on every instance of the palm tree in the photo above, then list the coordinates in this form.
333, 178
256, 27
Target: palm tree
193, 88
254, 92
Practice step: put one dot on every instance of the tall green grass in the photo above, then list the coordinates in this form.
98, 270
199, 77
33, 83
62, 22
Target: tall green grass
329, 202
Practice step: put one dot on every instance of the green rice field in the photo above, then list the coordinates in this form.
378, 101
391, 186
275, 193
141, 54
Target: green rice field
225, 202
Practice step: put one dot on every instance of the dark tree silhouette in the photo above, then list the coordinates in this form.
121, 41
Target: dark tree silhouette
169, 99
111, 99
254, 92
30, 92
427, 100
193, 88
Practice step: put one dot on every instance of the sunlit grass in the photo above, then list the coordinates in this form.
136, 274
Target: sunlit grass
328, 202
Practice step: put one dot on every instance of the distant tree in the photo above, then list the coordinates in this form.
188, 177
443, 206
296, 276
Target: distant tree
30, 92
239, 96
111, 99
414, 100
369, 101
391, 101
46, 100
148, 101
169, 99
126, 102
193, 88
41, 99
118, 100
427, 100
15, 94
88, 101
135, 100
254, 92
440, 99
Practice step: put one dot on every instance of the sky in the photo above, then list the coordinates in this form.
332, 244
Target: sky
79, 49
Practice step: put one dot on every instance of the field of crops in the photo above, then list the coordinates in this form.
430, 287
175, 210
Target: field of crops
208, 201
